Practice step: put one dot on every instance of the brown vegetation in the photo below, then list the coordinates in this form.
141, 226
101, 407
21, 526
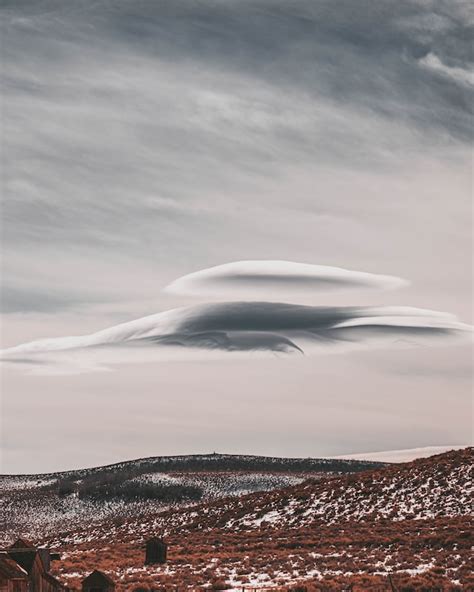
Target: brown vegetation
349, 553
245, 543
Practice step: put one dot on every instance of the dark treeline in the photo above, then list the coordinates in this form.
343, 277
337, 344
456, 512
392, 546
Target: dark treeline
120, 485
217, 462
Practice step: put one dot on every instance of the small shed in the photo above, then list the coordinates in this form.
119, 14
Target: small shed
156, 551
98, 581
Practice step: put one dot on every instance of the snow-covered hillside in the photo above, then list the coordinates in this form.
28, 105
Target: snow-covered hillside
411, 521
39, 504
439, 486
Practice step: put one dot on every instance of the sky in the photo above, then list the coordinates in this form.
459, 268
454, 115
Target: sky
144, 141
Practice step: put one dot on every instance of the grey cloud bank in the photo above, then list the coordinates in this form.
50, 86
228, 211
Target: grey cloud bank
136, 131
117, 114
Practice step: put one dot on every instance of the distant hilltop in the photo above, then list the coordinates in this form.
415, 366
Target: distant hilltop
223, 462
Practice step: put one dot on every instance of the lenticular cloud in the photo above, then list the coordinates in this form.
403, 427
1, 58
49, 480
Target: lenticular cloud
247, 328
261, 278
241, 328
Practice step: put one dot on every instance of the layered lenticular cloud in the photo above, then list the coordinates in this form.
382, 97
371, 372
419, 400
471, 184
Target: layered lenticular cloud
248, 327
260, 278
241, 327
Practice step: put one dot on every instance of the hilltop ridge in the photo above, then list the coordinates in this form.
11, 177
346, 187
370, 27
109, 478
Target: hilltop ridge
217, 461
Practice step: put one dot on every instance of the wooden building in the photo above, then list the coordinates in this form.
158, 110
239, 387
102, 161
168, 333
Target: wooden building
36, 563
98, 581
13, 578
51, 584
26, 555
156, 551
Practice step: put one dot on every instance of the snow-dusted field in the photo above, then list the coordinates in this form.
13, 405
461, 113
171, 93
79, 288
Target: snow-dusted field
260, 529
411, 521
34, 505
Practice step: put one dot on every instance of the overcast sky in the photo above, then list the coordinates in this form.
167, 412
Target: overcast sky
144, 140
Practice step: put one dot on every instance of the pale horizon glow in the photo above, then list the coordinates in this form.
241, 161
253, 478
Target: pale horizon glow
401, 456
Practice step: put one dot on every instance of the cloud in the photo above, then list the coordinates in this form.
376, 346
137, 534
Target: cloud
251, 279
242, 327
459, 75
26, 298
135, 131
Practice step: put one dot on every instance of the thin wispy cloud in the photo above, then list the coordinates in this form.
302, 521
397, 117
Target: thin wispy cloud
460, 75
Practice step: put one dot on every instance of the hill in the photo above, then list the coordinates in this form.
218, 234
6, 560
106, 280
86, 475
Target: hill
48, 503
411, 521
439, 486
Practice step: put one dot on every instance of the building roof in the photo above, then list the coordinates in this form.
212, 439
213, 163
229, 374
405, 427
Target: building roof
21, 543
155, 539
10, 570
24, 552
98, 577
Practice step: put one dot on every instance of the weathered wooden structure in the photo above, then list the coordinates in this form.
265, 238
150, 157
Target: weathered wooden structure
35, 562
51, 584
98, 581
156, 551
13, 578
